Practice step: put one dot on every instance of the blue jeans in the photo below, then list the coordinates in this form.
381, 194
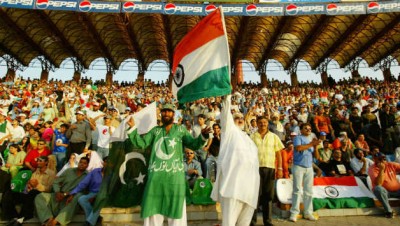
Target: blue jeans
60, 156
103, 152
303, 179
383, 196
91, 216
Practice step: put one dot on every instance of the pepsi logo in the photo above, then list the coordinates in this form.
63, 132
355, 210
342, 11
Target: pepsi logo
291, 9
129, 6
104, 132
332, 9
373, 7
85, 6
42, 4
251, 10
210, 8
170, 8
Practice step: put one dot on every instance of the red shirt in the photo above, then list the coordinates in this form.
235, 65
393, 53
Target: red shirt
390, 181
32, 156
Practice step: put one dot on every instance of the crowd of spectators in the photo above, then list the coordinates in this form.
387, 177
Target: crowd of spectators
353, 119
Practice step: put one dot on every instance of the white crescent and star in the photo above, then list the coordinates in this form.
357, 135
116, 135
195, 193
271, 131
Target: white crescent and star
160, 153
122, 169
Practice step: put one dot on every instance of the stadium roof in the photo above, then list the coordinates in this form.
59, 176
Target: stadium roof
56, 35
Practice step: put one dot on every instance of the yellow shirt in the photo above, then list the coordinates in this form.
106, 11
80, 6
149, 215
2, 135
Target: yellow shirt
267, 148
45, 179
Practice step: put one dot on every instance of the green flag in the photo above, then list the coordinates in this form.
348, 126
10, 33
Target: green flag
113, 191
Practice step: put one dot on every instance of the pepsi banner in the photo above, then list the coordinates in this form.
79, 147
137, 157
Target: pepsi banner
292, 9
304, 9
67, 5
20, 4
142, 7
99, 7
345, 9
383, 7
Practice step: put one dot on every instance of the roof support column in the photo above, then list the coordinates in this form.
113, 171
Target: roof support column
293, 73
234, 79
46, 67
323, 69
385, 65
110, 73
239, 72
12, 66
263, 76
353, 67
170, 80
78, 68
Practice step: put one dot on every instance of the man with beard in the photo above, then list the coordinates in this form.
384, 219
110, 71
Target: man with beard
165, 191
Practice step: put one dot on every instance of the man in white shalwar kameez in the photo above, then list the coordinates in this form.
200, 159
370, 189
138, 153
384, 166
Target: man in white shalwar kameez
237, 183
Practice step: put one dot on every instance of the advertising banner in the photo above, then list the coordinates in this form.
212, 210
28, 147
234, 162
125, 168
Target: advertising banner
21, 4
304, 9
383, 7
99, 7
66, 5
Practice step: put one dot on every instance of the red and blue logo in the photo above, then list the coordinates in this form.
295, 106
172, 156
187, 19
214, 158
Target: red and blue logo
210, 8
251, 10
373, 7
332, 9
170, 8
42, 4
85, 6
291, 9
129, 6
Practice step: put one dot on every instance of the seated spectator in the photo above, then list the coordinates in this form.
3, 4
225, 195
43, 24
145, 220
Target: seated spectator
337, 166
72, 163
362, 144
347, 146
52, 207
92, 183
32, 156
192, 168
48, 132
360, 164
41, 181
17, 132
325, 154
384, 182
15, 160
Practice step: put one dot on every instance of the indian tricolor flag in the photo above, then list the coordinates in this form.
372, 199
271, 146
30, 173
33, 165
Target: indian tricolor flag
201, 64
341, 192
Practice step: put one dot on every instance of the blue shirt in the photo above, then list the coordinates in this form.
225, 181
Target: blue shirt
302, 158
60, 138
91, 182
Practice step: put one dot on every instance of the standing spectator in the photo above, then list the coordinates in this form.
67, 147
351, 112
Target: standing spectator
5, 134
384, 182
323, 124
60, 145
165, 188
362, 144
303, 173
287, 159
269, 147
79, 135
104, 132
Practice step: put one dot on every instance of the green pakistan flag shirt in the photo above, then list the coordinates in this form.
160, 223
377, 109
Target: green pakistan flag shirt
166, 187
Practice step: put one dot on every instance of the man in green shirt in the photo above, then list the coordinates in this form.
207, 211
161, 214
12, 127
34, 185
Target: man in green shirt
52, 208
164, 194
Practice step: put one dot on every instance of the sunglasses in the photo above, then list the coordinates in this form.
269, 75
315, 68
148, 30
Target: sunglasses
189, 153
